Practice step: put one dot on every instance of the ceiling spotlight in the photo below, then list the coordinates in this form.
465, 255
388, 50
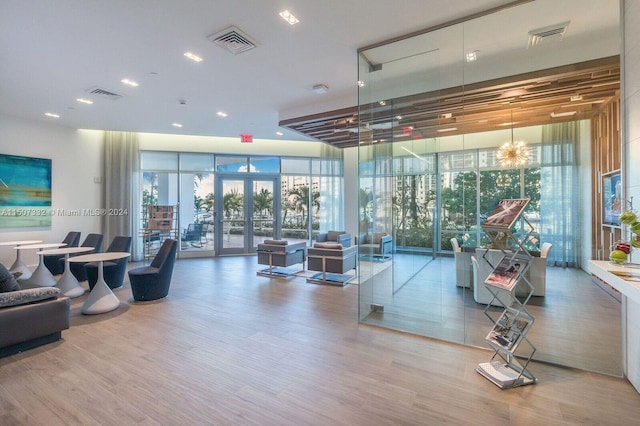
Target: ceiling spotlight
398, 117
383, 103
472, 56
279, 133
288, 16
361, 83
84, 101
193, 57
129, 82
52, 115
320, 88
176, 125
222, 114
576, 98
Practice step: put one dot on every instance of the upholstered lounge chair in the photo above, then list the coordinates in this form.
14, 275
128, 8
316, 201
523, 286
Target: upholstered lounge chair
152, 282
53, 262
77, 268
378, 244
333, 260
339, 237
280, 254
114, 271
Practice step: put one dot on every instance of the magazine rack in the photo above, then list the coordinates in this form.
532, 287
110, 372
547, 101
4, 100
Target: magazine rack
505, 369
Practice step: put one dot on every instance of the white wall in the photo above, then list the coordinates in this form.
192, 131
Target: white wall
76, 158
185, 143
631, 172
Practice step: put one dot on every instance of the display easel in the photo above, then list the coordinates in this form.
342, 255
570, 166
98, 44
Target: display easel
508, 333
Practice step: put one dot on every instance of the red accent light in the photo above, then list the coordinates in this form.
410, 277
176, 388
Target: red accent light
246, 138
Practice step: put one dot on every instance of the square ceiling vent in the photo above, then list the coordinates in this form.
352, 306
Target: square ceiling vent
552, 32
233, 40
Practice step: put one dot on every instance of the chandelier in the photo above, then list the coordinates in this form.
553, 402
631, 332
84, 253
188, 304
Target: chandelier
513, 154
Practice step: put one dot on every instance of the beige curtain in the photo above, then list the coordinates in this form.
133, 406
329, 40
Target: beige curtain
121, 188
560, 193
331, 188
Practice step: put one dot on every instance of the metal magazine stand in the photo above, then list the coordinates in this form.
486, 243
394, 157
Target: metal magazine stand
506, 369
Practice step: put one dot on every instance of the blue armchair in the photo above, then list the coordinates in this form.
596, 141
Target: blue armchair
53, 262
152, 282
114, 271
77, 268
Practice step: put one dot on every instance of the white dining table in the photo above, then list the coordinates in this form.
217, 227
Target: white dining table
67, 283
41, 277
101, 299
18, 264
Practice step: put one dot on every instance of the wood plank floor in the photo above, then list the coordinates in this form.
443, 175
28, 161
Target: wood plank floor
228, 347
577, 324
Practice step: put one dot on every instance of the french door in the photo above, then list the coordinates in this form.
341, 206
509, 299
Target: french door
247, 209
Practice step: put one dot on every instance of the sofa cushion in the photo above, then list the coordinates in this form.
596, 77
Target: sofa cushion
276, 242
7, 281
21, 297
334, 246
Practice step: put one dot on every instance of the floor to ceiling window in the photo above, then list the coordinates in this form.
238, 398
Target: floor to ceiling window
227, 204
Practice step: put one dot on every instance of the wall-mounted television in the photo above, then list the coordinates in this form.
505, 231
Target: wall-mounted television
25, 192
612, 198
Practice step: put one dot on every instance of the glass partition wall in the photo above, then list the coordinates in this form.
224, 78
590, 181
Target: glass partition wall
430, 171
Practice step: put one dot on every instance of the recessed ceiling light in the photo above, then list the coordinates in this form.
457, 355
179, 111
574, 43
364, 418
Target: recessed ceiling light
472, 56
176, 125
222, 114
52, 115
288, 16
129, 82
85, 101
193, 57
361, 83
279, 133
398, 117
576, 98
383, 103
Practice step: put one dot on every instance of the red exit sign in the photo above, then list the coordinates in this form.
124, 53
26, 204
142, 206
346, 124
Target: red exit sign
246, 138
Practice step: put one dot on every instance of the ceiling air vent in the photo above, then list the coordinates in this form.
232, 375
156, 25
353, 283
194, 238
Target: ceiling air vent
233, 40
96, 91
551, 32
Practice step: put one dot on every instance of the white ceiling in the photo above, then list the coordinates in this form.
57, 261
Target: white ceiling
52, 52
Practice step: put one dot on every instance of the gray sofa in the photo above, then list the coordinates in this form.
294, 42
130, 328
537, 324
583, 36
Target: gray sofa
30, 318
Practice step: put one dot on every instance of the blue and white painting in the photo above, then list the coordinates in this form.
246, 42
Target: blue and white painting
25, 192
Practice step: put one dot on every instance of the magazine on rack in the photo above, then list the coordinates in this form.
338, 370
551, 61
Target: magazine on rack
505, 275
505, 214
509, 328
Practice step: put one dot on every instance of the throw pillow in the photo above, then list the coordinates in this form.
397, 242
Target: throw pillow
7, 280
29, 295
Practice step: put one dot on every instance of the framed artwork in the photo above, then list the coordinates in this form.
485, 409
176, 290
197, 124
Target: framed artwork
25, 192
